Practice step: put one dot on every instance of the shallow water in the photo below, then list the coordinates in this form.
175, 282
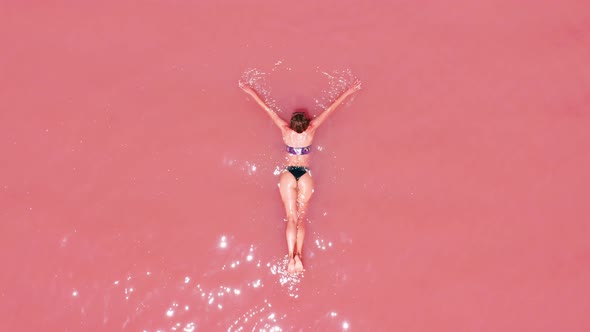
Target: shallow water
138, 183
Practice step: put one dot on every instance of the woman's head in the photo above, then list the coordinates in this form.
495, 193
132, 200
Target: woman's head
299, 120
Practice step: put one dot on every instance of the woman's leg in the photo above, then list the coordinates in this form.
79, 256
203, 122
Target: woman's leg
304, 192
288, 189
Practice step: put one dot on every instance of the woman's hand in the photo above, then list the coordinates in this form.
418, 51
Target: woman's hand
246, 87
355, 87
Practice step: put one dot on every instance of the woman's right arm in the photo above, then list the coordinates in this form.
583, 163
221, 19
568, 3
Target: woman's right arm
274, 116
315, 123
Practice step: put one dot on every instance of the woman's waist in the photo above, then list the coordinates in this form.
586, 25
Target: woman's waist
294, 160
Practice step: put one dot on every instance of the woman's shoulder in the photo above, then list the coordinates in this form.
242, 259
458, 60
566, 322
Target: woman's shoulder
286, 132
295, 139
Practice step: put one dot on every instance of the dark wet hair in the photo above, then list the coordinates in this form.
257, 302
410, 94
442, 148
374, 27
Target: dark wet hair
299, 120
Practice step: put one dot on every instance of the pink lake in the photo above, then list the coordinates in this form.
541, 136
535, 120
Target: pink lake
138, 188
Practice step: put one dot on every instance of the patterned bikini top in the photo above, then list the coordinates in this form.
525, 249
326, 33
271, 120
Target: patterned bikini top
299, 151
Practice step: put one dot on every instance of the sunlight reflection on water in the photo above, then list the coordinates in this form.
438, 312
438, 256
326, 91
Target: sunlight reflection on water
243, 291
287, 280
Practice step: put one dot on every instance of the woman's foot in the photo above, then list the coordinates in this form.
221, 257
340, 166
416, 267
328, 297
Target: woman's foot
291, 266
298, 264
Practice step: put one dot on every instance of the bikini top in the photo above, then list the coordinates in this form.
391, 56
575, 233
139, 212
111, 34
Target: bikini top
299, 151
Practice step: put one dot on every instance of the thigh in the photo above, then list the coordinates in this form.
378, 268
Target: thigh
304, 188
288, 190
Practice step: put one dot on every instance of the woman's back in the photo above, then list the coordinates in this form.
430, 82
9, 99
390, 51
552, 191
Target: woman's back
298, 146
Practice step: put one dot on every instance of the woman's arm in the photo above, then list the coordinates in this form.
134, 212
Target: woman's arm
315, 123
274, 116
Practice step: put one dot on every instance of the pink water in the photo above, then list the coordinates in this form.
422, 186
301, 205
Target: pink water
137, 186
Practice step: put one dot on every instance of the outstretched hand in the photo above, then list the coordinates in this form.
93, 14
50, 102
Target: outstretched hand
245, 87
355, 87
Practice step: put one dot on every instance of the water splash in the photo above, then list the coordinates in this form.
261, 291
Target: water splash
257, 165
338, 82
289, 281
258, 80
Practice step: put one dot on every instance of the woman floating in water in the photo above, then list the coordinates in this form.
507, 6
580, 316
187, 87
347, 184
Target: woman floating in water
295, 183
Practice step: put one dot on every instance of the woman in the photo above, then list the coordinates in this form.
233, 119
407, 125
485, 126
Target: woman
295, 182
